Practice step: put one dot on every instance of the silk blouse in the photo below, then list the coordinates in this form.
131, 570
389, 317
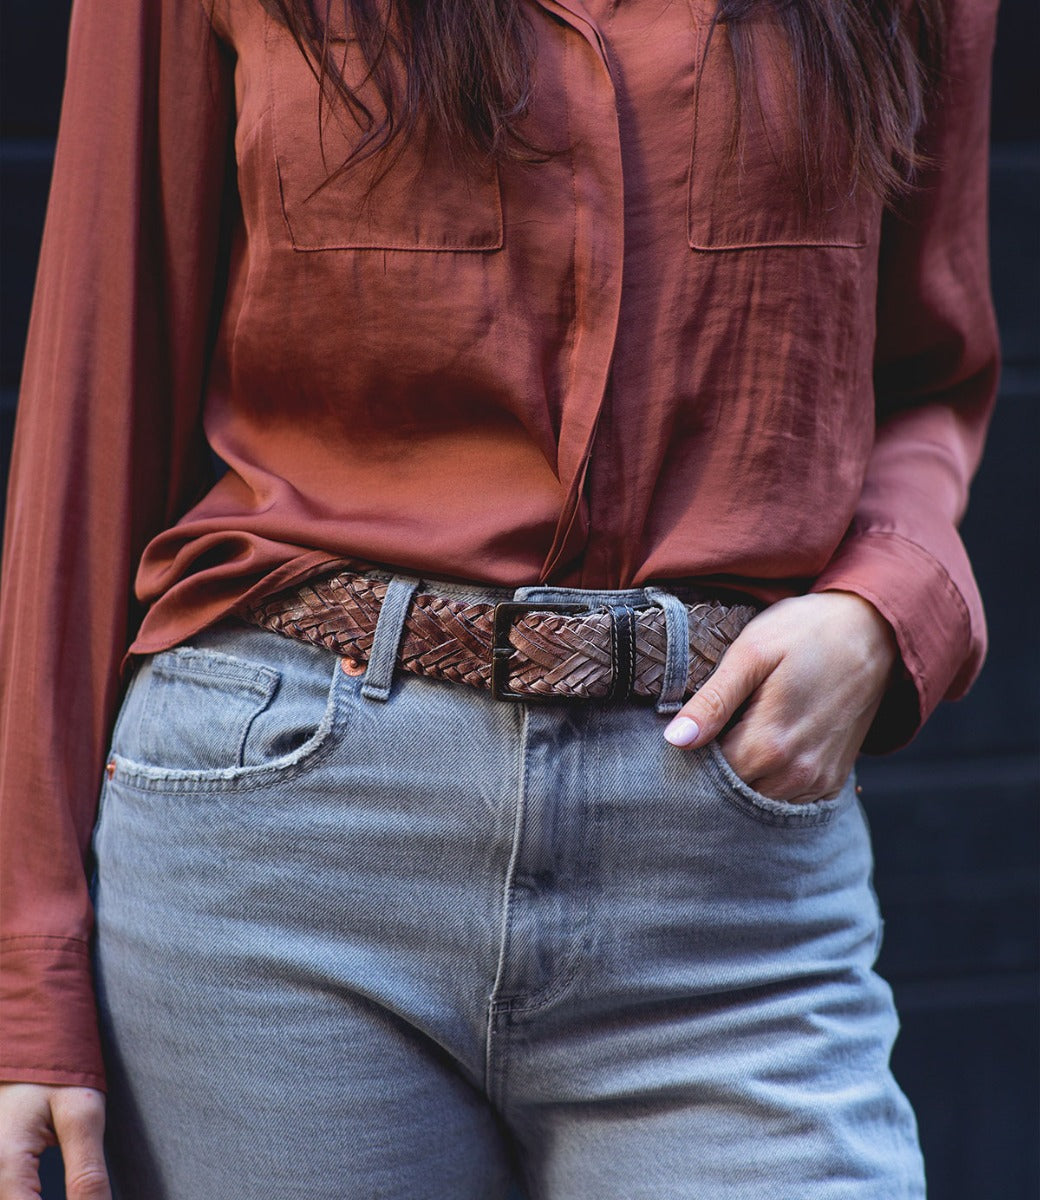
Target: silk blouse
640, 359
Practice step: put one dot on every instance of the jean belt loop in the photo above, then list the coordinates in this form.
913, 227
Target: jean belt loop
677, 649
387, 637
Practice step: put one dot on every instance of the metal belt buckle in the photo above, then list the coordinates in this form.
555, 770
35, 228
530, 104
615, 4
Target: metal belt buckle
506, 612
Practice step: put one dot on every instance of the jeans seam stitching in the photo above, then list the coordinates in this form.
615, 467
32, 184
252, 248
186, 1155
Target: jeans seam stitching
496, 997
537, 1001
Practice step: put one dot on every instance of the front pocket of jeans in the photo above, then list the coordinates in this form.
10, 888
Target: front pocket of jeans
207, 720
765, 808
408, 196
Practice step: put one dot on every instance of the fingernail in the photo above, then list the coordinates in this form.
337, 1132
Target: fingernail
682, 731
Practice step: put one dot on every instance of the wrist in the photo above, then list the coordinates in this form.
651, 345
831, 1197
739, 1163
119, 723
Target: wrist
875, 636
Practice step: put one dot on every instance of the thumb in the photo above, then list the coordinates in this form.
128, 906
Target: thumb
79, 1125
742, 668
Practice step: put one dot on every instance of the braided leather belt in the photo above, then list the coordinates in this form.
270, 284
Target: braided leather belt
526, 651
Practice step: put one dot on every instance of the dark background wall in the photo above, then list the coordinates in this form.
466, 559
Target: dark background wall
955, 816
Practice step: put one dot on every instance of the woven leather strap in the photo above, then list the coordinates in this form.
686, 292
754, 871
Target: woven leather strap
451, 638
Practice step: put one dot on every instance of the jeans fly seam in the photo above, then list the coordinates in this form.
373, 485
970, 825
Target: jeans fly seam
507, 894
537, 1001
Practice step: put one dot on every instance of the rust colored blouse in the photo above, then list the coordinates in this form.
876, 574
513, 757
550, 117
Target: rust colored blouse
636, 361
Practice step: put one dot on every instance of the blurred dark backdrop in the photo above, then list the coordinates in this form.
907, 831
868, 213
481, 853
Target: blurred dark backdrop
955, 816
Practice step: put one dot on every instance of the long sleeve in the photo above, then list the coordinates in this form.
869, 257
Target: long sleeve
936, 370
108, 450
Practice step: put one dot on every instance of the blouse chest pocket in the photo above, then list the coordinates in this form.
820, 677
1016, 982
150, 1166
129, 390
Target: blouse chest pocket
743, 190
410, 197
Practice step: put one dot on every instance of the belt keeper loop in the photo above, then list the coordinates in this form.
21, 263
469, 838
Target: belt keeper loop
623, 650
387, 637
677, 649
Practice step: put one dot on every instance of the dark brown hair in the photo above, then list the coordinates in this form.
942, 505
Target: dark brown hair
863, 67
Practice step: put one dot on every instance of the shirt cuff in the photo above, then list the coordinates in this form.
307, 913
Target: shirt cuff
48, 1016
941, 646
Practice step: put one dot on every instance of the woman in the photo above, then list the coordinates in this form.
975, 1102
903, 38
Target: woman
545, 343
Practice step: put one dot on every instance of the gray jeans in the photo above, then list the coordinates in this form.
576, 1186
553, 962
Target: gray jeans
360, 947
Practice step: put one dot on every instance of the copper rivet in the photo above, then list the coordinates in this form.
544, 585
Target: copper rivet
351, 666
859, 790
110, 768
